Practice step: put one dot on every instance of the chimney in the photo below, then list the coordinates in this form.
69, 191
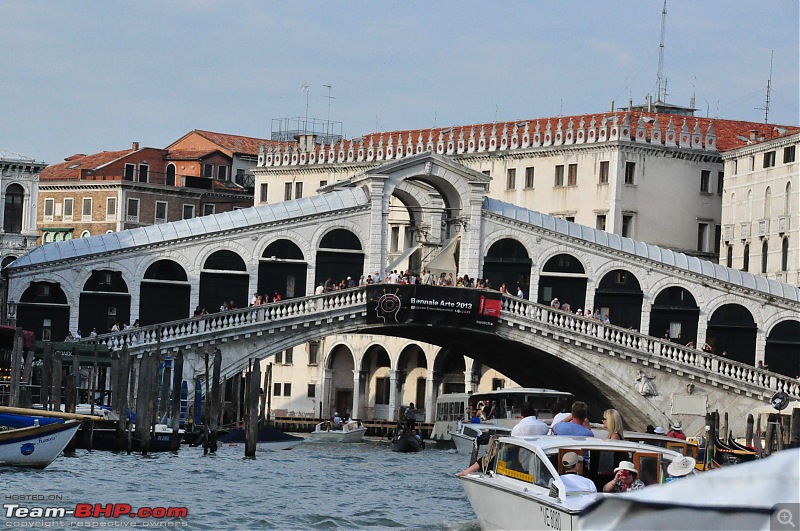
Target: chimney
134, 146
753, 134
611, 107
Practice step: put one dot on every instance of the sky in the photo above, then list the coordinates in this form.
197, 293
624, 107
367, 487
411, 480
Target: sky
90, 76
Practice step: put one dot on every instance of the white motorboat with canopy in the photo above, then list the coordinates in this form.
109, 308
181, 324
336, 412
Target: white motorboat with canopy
348, 431
522, 487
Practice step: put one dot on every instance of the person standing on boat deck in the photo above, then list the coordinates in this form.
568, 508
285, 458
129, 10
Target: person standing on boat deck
490, 410
612, 421
411, 417
529, 425
573, 474
574, 423
625, 479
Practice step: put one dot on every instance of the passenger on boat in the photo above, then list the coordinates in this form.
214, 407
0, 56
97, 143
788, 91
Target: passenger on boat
625, 479
573, 474
612, 421
575, 423
677, 432
529, 425
484, 463
411, 417
680, 468
337, 420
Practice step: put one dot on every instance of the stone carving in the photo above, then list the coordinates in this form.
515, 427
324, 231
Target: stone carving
645, 385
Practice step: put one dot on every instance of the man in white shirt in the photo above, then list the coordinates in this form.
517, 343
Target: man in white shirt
529, 425
572, 477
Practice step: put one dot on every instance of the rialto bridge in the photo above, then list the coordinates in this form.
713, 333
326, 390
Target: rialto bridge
658, 301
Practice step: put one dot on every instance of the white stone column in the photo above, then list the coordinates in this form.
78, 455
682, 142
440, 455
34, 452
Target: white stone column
430, 399
377, 258
761, 346
472, 232
355, 413
392, 395
702, 329
469, 382
326, 391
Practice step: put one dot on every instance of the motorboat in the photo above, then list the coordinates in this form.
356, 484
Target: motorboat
469, 434
269, 439
32, 441
349, 431
760, 494
521, 488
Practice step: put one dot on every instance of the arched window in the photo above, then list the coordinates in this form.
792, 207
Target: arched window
730, 256
170, 180
785, 254
12, 218
746, 258
85, 234
764, 253
767, 203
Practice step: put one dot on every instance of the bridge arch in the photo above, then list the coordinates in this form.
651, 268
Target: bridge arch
732, 331
44, 309
674, 313
782, 352
224, 277
104, 301
450, 366
380, 392
508, 261
340, 363
412, 363
282, 268
340, 253
563, 275
164, 291
620, 292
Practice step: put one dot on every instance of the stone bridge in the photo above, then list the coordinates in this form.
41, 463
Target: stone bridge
659, 301
647, 379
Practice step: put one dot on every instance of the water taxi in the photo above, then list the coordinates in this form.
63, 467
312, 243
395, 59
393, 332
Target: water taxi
468, 435
452, 407
350, 431
522, 487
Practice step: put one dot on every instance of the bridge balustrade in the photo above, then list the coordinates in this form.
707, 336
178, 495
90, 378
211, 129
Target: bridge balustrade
660, 348
222, 324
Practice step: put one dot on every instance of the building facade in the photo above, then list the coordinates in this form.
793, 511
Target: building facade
761, 208
19, 179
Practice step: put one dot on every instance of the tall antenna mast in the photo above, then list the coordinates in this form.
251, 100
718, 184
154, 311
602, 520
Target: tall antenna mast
661, 52
328, 123
765, 108
305, 88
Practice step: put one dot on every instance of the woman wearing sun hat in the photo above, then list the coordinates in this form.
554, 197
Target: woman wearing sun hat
626, 478
677, 432
680, 467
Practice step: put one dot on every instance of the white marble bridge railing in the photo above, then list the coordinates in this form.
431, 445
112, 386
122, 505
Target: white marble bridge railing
231, 322
731, 373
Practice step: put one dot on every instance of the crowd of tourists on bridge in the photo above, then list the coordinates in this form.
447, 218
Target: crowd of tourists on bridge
404, 277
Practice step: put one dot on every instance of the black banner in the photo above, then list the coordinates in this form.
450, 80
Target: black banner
432, 305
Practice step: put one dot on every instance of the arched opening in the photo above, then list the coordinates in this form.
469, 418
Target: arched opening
449, 367
378, 399
282, 269
729, 258
104, 301
507, 262
224, 279
170, 177
620, 297
43, 309
164, 293
340, 395
339, 256
412, 376
674, 315
732, 333
764, 254
782, 354
564, 278
12, 215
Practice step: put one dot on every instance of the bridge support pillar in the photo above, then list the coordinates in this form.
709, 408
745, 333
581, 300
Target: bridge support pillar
356, 394
392, 395
377, 257
327, 400
430, 399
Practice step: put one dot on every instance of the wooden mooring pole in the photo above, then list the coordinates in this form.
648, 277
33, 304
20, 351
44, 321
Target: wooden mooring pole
16, 368
46, 396
215, 408
177, 385
253, 387
748, 430
146, 392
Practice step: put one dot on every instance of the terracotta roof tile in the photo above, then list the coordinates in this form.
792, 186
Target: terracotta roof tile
190, 154
72, 167
236, 144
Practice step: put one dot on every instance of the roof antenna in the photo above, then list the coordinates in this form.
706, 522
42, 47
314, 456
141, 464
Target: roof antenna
765, 108
661, 53
328, 123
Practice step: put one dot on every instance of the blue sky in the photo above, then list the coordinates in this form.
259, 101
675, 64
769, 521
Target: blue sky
83, 77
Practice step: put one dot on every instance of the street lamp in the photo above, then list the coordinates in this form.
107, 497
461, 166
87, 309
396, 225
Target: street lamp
11, 312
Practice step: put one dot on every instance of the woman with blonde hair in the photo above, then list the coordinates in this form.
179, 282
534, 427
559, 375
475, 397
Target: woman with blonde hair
612, 421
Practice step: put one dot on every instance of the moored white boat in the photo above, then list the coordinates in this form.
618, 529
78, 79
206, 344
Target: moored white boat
522, 488
350, 431
269, 439
35, 446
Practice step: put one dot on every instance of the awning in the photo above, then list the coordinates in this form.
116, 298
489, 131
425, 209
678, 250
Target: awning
85, 352
445, 261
